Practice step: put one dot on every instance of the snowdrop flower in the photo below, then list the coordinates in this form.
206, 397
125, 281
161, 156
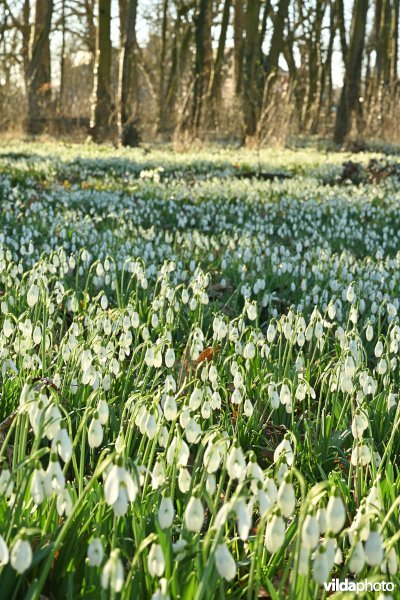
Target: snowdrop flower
95, 433
55, 479
194, 514
112, 576
361, 455
156, 561
275, 534
374, 548
103, 411
170, 358
166, 512
184, 480
6, 483
33, 295
284, 448
21, 556
119, 489
64, 503
310, 532
335, 514
225, 562
321, 566
62, 444
4, 554
235, 463
286, 498
357, 559
95, 552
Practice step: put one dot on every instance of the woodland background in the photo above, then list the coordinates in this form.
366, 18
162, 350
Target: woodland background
255, 71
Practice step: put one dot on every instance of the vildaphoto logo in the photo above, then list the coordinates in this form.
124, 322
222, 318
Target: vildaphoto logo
348, 585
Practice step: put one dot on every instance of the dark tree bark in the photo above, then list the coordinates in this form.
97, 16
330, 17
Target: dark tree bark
215, 87
252, 96
163, 55
128, 97
238, 51
351, 84
102, 111
203, 60
39, 71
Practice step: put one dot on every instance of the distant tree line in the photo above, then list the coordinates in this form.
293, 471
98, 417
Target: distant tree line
223, 67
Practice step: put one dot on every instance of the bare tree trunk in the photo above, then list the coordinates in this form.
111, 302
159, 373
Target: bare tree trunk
39, 71
161, 99
215, 87
252, 93
351, 84
101, 123
128, 96
203, 61
238, 29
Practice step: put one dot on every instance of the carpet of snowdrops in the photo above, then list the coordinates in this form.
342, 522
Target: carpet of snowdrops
199, 375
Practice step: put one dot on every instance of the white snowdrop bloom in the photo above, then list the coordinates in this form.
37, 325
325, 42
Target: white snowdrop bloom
163, 436
249, 351
286, 498
156, 561
369, 332
361, 455
150, 425
284, 449
184, 480
374, 548
304, 560
52, 420
170, 408
192, 431
237, 396
321, 567
170, 358
248, 408
285, 395
119, 489
310, 532
158, 475
166, 512
271, 333
178, 450
235, 463
275, 534
21, 556
38, 486
270, 488
225, 562
112, 576
8, 328
62, 444
55, 479
33, 295
64, 503
95, 433
95, 553
390, 564
195, 399
212, 457
378, 351
251, 309
211, 484
243, 512
357, 558
103, 411
6, 483
194, 514
335, 514
359, 423
4, 553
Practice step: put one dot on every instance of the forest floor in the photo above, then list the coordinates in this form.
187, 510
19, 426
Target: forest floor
198, 372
